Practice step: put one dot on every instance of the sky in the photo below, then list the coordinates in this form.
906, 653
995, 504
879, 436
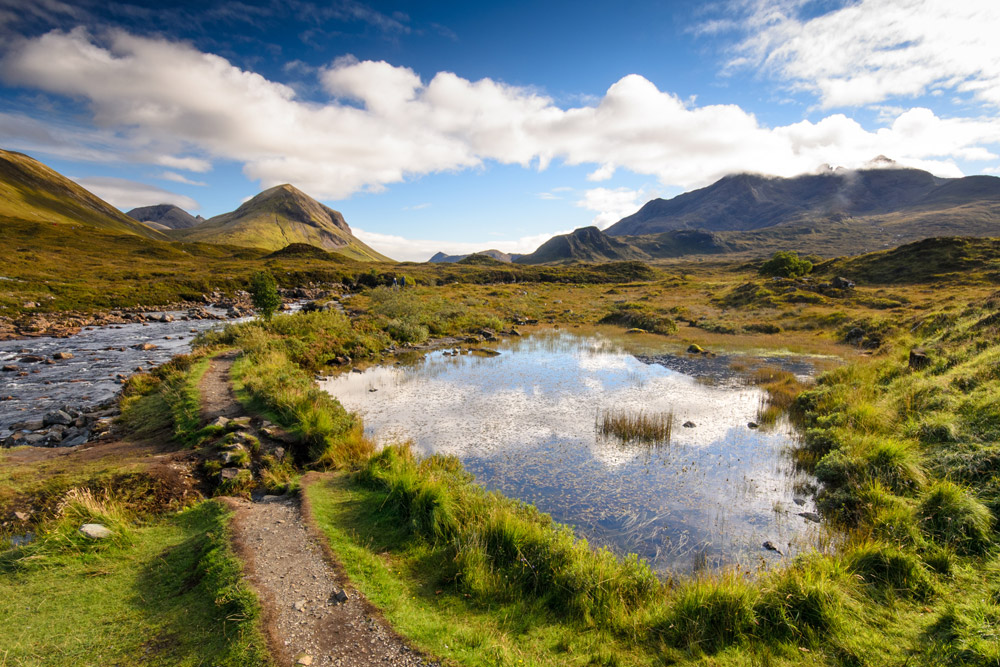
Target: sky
461, 126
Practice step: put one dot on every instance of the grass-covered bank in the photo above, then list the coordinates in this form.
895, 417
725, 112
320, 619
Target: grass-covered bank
169, 592
486, 576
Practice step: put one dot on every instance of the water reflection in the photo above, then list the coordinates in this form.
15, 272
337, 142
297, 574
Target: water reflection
524, 424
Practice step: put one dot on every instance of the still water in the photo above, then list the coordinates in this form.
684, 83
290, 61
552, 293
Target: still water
524, 423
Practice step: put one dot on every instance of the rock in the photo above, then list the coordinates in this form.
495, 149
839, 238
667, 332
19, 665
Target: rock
60, 356
228, 473
30, 304
220, 421
10, 368
32, 359
241, 422
339, 596
145, 347
919, 359
166, 317
842, 283
753, 425
688, 424
770, 547
694, 348
58, 417
299, 605
95, 531
21, 516
635, 330
34, 439
799, 501
810, 516
303, 659
75, 440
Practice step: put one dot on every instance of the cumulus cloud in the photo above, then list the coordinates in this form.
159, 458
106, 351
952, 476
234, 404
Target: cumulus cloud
126, 194
612, 205
874, 50
382, 124
420, 250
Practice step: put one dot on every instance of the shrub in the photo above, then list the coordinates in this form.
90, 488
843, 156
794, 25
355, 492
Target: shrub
264, 294
786, 264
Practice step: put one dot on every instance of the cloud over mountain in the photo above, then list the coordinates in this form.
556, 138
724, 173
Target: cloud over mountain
380, 124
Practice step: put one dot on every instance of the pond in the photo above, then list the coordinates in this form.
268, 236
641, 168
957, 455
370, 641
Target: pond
524, 423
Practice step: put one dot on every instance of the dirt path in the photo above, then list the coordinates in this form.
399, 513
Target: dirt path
307, 620
217, 399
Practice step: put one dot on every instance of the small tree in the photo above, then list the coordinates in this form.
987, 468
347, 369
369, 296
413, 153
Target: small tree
264, 294
786, 264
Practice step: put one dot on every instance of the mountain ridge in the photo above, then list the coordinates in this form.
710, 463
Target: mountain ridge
748, 202
34, 192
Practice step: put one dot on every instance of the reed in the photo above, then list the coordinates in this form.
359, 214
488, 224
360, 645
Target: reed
635, 426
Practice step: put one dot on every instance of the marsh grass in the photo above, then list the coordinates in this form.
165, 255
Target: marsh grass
630, 426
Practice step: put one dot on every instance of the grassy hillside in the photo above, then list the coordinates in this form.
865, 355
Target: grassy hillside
30, 191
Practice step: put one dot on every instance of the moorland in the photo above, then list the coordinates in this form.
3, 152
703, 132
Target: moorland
901, 436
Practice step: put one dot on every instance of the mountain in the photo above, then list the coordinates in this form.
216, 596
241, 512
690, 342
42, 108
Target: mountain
165, 216
32, 192
745, 202
587, 244
279, 217
440, 257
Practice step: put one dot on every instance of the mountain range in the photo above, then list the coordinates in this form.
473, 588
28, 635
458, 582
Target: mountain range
441, 258
829, 213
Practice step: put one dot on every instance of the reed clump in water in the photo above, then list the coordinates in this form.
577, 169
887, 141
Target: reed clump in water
635, 426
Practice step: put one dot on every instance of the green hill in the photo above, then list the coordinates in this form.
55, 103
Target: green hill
279, 217
32, 192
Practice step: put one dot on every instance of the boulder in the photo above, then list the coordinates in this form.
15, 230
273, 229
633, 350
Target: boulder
10, 368
842, 283
694, 348
60, 356
58, 417
688, 424
228, 473
95, 531
32, 359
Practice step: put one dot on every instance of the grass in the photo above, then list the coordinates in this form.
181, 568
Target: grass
167, 593
631, 426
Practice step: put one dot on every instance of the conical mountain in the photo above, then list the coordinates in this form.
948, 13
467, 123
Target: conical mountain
165, 216
587, 244
279, 217
31, 192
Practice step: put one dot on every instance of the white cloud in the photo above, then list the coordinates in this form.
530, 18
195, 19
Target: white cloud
179, 178
383, 124
420, 250
126, 194
417, 207
874, 50
612, 205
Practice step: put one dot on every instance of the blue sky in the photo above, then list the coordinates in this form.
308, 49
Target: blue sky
459, 126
